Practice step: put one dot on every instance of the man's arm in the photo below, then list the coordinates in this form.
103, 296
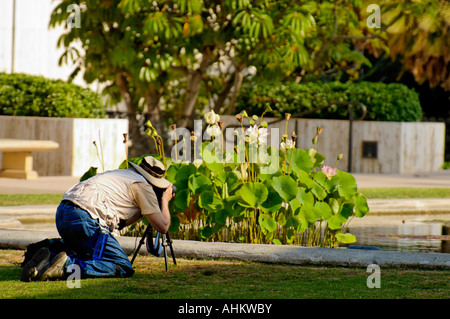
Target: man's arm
161, 221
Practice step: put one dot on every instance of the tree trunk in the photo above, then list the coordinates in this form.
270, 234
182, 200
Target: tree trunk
152, 97
218, 104
194, 80
139, 144
238, 78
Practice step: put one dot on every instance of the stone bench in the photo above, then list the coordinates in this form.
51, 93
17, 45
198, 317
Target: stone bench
17, 159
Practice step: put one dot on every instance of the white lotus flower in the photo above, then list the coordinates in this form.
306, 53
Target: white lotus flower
252, 133
213, 130
257, 135
212, 118
286, 145
263, 133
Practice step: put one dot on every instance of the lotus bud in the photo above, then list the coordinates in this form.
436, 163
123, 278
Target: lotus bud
240, 117
193, 136
319, 130
149, 124
151, 130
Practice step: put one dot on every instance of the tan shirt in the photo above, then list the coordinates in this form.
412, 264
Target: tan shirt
116, 195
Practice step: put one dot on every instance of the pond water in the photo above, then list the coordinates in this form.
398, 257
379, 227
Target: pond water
407, 233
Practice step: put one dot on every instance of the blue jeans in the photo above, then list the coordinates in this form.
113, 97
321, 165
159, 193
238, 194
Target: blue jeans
81, 233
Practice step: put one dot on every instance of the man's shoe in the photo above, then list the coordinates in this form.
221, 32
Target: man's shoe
36, 265
56, 269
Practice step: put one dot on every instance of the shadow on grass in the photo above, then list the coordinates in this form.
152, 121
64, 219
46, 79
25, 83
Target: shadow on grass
8, 273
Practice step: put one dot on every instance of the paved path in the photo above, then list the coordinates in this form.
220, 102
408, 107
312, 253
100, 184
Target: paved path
42, 185
439, 179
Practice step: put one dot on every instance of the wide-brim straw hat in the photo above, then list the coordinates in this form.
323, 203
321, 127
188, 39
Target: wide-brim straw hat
153, 171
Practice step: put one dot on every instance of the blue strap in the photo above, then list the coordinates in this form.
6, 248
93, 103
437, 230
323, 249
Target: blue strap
100, 245
156, 251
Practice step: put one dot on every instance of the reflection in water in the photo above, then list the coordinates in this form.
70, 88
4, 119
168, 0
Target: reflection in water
411, 233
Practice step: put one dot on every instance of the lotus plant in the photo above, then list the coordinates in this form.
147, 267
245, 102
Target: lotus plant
303, 202
232, 197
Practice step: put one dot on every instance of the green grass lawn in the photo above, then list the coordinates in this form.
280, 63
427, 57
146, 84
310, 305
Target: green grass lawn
29, 199
222, 279
405, 192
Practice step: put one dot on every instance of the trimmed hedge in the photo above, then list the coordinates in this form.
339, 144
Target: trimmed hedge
384, 102
28, 95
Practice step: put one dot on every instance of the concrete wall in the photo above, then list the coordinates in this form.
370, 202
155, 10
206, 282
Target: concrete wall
403, 148
423, 147
76, 152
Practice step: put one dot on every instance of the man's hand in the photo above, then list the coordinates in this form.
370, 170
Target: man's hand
167, 195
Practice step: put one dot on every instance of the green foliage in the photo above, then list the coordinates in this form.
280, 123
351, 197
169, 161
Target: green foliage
27, 95
384, 102
418, 36
303, 202
92, 171
172, 50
